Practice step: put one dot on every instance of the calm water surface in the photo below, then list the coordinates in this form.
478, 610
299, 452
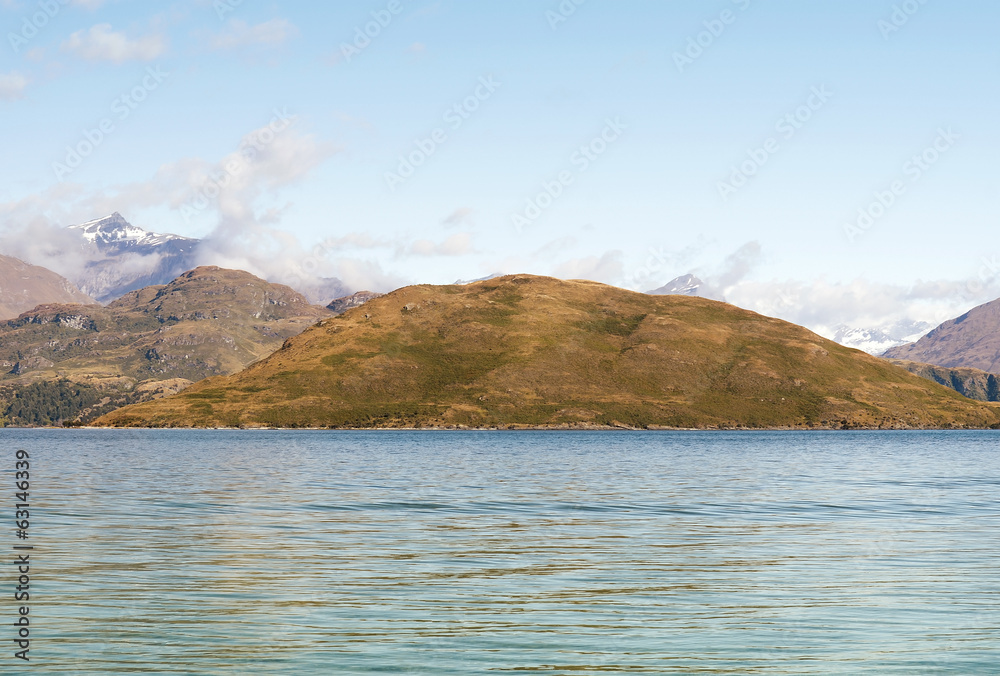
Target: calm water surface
509, 553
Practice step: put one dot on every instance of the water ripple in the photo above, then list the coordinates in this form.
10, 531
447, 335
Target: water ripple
472, 553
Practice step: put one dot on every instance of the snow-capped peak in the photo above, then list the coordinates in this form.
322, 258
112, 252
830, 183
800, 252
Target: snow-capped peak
877, 340
685, 285
114, 229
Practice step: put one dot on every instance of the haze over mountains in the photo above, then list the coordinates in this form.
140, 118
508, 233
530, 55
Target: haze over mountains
123, 258
115, 257
873, 340
24, 286
109, 257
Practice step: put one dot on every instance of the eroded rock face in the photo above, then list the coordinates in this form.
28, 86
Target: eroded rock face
77, 317
30, 364
342, 305
971, 383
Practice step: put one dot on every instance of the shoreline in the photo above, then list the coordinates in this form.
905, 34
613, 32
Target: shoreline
595, 428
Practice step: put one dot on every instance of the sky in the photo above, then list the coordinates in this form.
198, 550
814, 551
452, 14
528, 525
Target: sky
828, 162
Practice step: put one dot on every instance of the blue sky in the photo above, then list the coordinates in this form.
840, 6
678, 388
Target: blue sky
643, 205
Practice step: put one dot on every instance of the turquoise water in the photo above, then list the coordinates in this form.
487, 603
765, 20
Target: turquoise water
511, 553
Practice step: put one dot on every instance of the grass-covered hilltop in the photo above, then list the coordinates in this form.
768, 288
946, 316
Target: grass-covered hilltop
525, 351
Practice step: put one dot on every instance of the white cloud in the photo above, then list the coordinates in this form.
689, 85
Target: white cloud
456, 245
608, 268
460, 216
12, 86
824, 306
101, 43
238, 33
246, 233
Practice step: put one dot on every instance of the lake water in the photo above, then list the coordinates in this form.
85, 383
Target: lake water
211, 552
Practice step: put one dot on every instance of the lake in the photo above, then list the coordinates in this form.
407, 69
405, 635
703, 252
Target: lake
271, 552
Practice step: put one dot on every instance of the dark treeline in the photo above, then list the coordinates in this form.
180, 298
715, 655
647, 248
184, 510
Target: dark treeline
56, 403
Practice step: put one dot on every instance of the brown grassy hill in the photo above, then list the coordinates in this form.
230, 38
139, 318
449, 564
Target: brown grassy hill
206, 322
534, 351
24, 286
971, 383
970, 341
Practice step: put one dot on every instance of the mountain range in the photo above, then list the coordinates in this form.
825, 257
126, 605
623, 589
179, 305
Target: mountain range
119, 258
208, 321
57, 334
525, 351
879, 339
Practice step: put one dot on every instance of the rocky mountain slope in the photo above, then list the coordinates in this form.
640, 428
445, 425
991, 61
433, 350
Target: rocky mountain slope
970, 341
121, 257
24, 286
534, 351
208, 321
971, 383
341, 305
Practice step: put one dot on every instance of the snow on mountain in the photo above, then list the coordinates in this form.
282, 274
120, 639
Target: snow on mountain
121, 257
115, 231
877, 340
463, 282
686, 285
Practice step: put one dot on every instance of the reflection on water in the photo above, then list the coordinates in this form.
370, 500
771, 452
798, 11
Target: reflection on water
520, 553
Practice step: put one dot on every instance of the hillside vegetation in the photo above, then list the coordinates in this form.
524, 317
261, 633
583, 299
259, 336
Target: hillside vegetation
524, 351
